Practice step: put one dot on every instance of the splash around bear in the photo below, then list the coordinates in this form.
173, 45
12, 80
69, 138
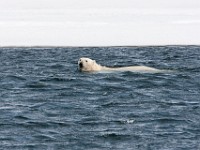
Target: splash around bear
89, 65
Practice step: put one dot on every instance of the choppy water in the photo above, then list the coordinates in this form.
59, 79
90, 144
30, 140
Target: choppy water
46, 103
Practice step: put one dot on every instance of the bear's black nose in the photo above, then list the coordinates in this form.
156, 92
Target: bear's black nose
80, 65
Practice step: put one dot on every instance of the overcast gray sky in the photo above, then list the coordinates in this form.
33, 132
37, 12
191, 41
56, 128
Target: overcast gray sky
99, 22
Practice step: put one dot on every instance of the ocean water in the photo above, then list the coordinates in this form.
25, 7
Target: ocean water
46, 103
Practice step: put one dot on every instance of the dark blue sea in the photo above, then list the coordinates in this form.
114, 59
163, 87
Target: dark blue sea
46, 103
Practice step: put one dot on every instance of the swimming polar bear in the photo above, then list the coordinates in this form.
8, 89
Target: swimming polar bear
89, 65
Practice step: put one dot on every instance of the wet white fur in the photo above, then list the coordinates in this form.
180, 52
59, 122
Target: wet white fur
89, 65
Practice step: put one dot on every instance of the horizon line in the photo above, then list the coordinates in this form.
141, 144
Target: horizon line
68, 46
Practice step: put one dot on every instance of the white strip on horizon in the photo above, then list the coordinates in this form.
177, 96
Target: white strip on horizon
99, 22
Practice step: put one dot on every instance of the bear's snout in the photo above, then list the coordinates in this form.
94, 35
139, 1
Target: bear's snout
80, 65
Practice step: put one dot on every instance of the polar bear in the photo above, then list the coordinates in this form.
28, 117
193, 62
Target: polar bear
89, 65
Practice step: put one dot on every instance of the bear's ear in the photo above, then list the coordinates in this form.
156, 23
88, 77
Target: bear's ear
94, 61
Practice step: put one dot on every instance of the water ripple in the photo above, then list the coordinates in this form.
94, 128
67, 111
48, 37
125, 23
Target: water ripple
46, 103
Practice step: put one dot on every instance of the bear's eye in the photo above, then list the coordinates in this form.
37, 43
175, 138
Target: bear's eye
86, 61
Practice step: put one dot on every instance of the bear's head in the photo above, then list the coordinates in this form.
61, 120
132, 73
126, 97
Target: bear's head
87, 64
